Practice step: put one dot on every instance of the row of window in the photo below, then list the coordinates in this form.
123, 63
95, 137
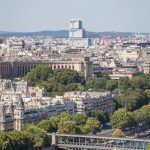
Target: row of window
61, 67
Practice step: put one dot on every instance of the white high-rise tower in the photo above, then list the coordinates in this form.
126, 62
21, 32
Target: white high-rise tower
75, 29
77, 34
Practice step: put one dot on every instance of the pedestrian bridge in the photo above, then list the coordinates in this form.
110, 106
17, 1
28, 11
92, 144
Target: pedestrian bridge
93, 142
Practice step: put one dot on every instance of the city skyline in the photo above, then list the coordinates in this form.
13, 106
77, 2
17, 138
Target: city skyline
97, 15
74, 74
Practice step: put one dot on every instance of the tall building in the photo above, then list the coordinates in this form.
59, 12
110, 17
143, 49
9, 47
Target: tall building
75, 29
77, 37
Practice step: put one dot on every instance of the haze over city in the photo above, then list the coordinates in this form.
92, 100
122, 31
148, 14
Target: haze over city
98, 15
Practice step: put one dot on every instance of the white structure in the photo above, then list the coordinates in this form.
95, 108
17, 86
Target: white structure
75, 24
75, 29
79, 42
87, 101
77, 35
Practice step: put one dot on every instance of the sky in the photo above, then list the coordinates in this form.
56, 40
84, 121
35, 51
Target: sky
97, 15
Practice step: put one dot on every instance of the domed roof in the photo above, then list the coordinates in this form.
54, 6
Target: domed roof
20, 102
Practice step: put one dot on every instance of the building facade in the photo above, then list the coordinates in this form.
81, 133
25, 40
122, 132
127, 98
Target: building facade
87, 101
75, 29
21, 68
77, 35
15, 116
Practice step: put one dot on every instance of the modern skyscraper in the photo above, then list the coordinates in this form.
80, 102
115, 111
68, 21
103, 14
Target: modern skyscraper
75, 24
75, 29
77, 37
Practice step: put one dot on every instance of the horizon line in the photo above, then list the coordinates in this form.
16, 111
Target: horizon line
68, 30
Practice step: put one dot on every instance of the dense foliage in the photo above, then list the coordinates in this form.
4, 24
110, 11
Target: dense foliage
57, 81
133, 100
134, 96
102, 117
66, 123
38, 136
118, 133
148, 147
5, 142
38, 74
142, 116
123, 119
20, 140
31, 137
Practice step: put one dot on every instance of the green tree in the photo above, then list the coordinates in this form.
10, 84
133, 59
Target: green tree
63, 117
122, 119
147, 92
96, 83
146, 79
69, 127
20, 141
55, 121
101, 74
38, 74
92, 126
55, 82
67, 76
134, 99
148, 147
137, 83
100, 115
118, 133
80, 119
38, 136
111, 85
46, 125
5, 142
71, 87
124, 84
142, 115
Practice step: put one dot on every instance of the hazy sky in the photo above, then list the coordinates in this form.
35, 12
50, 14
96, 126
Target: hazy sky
97, 15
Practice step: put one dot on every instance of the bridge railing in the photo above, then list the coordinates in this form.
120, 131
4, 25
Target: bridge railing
97, 142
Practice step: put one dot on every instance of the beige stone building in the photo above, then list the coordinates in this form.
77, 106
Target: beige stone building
15, 116
12, 69
87, 101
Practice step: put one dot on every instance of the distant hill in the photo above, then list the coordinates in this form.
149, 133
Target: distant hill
64, 34
57, 34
